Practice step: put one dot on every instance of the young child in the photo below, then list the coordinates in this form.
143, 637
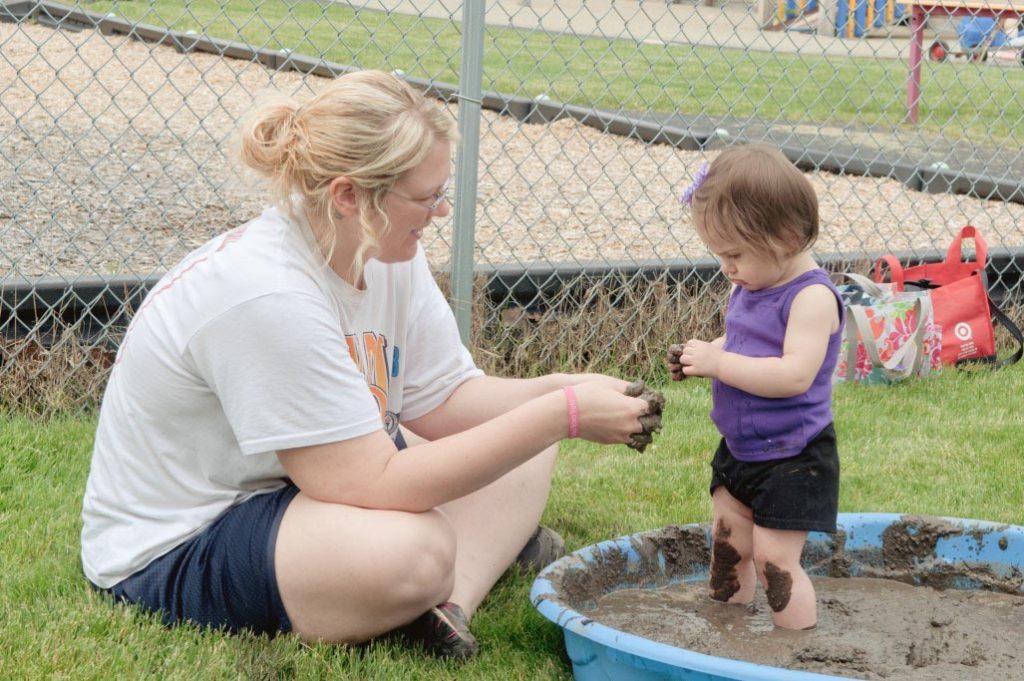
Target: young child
775, 475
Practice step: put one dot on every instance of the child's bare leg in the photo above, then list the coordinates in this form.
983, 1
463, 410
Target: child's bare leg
789, 589
733, 578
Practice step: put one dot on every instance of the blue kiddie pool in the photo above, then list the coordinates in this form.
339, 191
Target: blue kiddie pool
919, 550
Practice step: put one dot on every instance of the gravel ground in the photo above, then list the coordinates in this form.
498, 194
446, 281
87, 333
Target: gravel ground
114, 162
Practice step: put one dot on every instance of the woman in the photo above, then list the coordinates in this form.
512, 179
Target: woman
249, 471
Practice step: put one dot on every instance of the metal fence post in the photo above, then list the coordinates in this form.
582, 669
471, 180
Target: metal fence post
470, 93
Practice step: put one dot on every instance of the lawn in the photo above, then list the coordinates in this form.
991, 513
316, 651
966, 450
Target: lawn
944, 446
959, 100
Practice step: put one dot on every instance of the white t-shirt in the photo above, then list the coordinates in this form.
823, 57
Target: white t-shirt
248, 346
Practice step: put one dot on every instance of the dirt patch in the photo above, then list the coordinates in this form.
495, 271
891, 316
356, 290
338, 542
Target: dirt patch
884, 612
724, 582
780, 587
671, 552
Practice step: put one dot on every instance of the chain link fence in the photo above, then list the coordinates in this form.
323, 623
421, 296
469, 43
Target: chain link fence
115, 118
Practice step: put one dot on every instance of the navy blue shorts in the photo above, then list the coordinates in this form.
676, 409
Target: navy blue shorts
797, 493
223, 577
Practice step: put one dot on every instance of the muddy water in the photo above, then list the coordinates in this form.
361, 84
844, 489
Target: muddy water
867, 629
898, 620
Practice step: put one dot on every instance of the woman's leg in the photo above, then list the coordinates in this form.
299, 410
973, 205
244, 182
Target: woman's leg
789, 589
733, 579
492, 525
347, 574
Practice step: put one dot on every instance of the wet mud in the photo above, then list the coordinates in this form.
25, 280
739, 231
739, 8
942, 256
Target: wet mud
897, 620
780, 587
724, 581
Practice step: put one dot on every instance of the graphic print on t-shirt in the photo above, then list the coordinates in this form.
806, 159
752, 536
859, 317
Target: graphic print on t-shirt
369, 351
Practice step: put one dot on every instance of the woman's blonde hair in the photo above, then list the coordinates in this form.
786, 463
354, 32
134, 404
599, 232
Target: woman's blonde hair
369, 126
754, 194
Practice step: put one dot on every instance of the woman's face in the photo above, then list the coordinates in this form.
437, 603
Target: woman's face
416, 199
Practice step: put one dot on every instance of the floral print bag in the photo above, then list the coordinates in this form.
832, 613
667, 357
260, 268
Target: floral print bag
889, 336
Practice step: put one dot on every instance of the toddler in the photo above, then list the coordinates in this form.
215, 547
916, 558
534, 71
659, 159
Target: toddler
775, 475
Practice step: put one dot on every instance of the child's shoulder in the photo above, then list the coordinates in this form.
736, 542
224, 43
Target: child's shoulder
814, 279
817, 299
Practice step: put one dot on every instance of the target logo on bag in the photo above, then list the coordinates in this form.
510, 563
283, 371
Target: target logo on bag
960, 301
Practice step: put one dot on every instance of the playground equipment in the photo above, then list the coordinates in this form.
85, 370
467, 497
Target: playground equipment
854, 18
978, 39
842, 18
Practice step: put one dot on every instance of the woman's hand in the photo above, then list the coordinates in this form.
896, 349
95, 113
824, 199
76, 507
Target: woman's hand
606, 414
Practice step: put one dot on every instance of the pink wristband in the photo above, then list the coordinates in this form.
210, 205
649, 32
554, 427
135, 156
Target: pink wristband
574, 411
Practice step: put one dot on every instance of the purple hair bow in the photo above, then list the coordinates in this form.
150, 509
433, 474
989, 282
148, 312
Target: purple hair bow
698, 180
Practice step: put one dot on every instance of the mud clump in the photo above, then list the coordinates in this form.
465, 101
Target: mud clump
651, 421
684, 548
907, 543
660, 555
672, 358
584, 584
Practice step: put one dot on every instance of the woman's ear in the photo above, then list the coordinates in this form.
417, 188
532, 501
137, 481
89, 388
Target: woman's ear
343, 196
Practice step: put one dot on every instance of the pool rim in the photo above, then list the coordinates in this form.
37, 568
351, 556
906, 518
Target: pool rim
547, 601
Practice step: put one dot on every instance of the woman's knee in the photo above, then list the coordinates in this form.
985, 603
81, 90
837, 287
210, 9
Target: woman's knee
324, 549
422, 559
347, 574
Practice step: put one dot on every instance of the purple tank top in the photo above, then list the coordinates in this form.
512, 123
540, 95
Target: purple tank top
765, 428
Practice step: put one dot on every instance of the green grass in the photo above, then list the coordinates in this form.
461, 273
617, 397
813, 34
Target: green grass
944, 446
959, 100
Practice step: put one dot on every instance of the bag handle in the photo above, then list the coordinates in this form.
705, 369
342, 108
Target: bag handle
863, 325
911, 351
955, 253
871, 288
895, 271
1014, 330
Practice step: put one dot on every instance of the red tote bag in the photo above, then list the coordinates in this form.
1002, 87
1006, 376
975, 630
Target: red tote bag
959, 299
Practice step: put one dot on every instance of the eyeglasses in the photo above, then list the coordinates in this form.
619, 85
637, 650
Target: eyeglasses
445, 194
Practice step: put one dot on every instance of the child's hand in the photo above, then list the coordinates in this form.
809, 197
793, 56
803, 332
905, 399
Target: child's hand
675, 367
700, 358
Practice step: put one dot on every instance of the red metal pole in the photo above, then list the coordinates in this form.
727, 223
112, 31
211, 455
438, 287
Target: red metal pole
917, 18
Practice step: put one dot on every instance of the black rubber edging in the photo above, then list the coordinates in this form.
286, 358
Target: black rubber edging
96, 306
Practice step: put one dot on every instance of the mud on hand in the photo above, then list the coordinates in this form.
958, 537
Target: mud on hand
673, 358
651, 421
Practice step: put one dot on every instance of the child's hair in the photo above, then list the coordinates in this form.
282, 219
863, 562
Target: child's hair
754, 194
369, 126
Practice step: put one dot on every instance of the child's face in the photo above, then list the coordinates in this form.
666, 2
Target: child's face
745, 266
